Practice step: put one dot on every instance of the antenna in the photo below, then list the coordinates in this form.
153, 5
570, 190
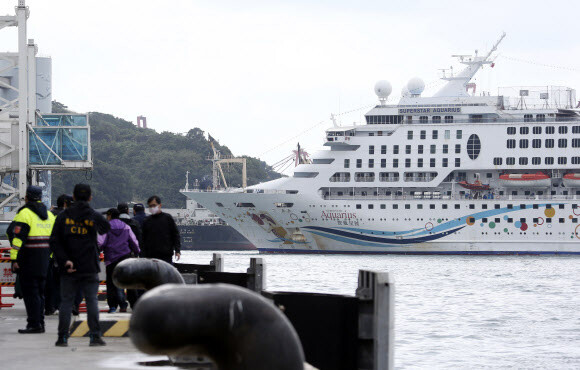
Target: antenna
333, 118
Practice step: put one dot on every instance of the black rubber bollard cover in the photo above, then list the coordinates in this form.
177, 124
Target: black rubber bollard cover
144, 273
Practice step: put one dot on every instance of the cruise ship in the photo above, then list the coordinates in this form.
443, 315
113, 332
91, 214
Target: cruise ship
458, 172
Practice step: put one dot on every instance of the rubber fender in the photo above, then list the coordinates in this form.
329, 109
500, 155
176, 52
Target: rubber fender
235, 327
144, 273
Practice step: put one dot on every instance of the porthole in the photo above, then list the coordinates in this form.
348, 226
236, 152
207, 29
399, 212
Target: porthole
473, 146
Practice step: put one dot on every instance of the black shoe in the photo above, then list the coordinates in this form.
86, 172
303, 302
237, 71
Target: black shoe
75, 311
62, 341
38, 330
96, 340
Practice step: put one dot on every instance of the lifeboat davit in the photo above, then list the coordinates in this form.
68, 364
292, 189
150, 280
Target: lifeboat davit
530, 180
571, 180
477, 185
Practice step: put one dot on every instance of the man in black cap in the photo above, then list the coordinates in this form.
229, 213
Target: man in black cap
29, 233
74, 243
139, 214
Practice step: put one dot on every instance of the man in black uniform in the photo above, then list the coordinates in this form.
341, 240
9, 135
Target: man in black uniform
74, 244
160, 234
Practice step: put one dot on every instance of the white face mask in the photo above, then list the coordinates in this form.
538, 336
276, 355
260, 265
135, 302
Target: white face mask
154, 210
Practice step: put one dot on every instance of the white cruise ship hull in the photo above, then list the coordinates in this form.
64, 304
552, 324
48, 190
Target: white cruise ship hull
292, 223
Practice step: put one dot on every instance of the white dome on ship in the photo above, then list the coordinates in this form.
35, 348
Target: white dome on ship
416, 86
383, 89
405, 91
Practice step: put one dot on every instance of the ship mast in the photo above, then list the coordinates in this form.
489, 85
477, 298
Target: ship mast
217, 159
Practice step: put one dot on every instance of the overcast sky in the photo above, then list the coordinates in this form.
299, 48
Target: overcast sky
260, 76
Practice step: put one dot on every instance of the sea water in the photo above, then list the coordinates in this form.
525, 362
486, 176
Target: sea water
452, 311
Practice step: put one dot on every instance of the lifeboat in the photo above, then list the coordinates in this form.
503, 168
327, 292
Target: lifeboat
530, 180
571, 180
477, 185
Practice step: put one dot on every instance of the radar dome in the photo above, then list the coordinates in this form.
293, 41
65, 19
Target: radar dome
416, 86
383, 89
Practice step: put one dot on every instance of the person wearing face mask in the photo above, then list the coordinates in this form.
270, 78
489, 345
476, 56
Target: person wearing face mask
160, 234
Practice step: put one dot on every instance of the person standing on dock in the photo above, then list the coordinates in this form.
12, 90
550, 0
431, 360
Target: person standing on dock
29, 233
139, 214
160, 234
74, 243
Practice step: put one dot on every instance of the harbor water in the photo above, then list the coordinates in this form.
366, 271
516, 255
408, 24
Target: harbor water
452, 311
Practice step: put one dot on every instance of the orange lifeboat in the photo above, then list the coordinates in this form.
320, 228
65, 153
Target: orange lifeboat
477, 185
571, 180
530, 180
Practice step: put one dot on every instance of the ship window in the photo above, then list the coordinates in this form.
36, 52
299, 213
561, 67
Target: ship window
574, 206
433, 149
549, 143
410, 135
407, 206
550, 130
511, 130
445, 148
459, 134
523, 143
388, 176
484, 206
395, 163
524, 130
537, 143
408, 149
447, 134
444, 206
457, 162
419, 206
383, 163
436, 119
576, 129
383, 149
291, 191
497, 220
284, 205
562, 160
423, 119
540, 117
432, 162
523, 161
420, 149
358, 163
420, 162
575, 160
497, 161
346, 163
395, 206
510, 161
549, 160
562, 143
435, 134
511, 206
395, 149
457, 206
535, 220
472, 206
511, 143
561, 206
537, 130
407, 162
562, 129
308, 175
536, 161
527, 118
423, 135
383, 206
219, 204
448, 119
247, 205
371, 134
561, 220
358, 206
371, 163
445, 162
371, 206
510, 220
323, 160
484, 220
575, 143
489, 175
340, 177
457, 148
371, 149
364, 176
473, 146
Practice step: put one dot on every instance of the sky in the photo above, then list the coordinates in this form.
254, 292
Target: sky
261, 76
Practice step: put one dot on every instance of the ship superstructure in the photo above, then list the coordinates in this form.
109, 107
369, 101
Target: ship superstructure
452, 173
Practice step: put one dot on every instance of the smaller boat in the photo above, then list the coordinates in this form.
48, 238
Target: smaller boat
477, 185
530, 180
571, 180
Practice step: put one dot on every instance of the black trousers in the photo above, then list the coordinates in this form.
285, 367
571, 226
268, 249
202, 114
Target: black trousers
70, 284
32, 286
52, 290
115, 296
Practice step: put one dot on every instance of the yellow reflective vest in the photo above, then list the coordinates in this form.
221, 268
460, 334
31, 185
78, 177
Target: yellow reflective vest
29, 235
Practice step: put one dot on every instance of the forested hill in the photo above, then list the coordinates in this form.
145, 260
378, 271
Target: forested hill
131, 163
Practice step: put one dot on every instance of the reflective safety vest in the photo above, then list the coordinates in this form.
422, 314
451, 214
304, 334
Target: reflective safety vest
30, 232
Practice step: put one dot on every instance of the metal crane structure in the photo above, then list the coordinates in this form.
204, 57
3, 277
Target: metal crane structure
32, 139
217, 160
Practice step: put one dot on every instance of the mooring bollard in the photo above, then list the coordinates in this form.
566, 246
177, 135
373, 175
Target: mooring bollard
143, 273
236, 328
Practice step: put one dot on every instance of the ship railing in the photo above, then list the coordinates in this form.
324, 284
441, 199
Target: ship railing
500, 120
371, 197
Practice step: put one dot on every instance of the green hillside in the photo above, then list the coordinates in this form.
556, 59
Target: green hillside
131, 163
